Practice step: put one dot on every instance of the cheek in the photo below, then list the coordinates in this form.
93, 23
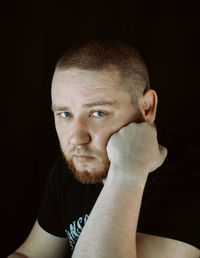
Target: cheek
61, 133
101, 137
102, 134
58, 130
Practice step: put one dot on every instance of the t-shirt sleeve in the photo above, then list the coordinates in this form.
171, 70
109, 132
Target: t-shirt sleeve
50, 218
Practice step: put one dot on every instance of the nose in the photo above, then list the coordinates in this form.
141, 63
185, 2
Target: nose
79, 134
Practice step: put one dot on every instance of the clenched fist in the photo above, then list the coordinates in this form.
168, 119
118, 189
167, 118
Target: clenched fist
134, 151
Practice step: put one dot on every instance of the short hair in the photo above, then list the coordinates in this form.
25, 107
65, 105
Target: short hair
97, 55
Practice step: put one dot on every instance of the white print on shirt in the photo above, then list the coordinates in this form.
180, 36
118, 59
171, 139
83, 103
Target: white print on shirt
75, 229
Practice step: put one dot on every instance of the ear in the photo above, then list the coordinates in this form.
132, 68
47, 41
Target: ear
148, 105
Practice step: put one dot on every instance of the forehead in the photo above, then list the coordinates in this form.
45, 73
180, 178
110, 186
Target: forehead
83, 84
107, 78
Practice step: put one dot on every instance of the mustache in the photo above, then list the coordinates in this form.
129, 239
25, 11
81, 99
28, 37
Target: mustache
81, 152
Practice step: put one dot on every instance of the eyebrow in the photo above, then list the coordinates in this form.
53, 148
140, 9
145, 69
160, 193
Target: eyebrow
101, 103
88, 105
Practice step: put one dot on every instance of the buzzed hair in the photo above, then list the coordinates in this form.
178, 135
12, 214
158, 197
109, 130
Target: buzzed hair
98, 55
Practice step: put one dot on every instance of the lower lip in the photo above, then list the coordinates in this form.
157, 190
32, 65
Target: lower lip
83, 158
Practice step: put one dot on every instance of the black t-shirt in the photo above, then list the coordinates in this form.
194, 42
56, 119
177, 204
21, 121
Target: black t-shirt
170, 204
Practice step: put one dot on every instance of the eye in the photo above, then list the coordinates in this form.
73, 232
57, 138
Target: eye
65, 114
98, 113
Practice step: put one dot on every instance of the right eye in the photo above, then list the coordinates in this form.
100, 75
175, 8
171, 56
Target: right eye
65, 114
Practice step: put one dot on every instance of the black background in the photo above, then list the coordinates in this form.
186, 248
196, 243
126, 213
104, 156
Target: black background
34, 36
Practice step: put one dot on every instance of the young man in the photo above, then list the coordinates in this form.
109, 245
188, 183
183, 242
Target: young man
113, 193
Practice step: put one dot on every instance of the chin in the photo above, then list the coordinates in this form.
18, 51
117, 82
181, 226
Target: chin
88, 171
88, 174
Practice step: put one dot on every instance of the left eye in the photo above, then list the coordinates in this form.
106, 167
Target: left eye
98, 113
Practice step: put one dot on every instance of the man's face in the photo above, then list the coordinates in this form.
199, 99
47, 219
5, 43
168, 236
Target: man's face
89, 106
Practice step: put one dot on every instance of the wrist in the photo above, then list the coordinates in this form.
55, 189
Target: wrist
133, 178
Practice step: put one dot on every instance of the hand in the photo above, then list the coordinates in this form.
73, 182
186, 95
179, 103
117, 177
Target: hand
134, 150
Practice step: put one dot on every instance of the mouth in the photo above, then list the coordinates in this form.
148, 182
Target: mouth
82, 157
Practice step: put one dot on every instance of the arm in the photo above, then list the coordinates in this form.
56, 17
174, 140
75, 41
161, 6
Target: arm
17, 255
111, 228
114, 232
150, 246
42, 244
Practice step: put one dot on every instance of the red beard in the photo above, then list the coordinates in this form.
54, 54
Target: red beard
85, 176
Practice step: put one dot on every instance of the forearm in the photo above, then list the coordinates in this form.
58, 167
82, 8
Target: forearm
111, 227
17, 255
